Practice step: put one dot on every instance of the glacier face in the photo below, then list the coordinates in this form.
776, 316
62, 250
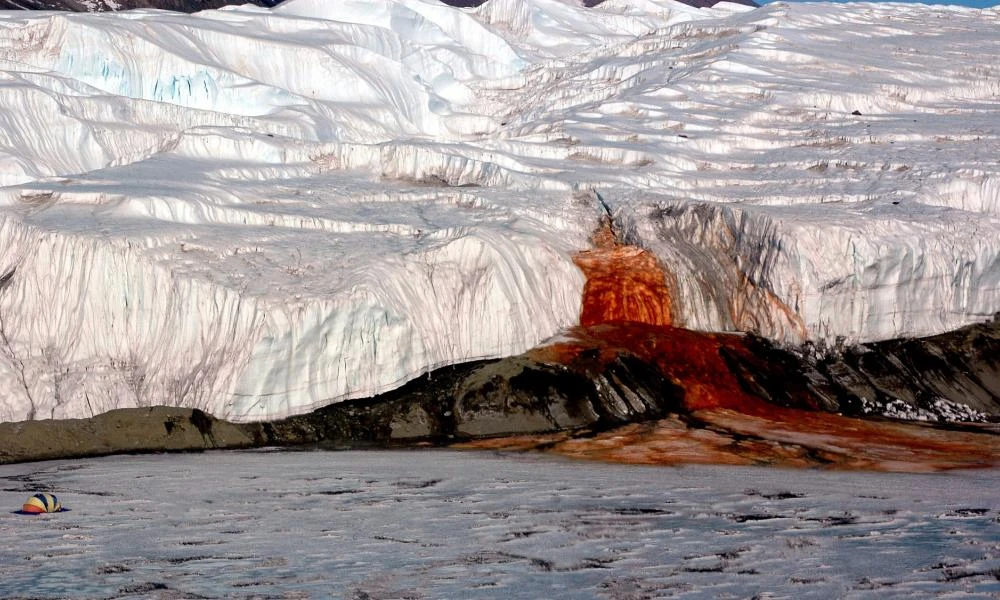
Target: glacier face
261, 211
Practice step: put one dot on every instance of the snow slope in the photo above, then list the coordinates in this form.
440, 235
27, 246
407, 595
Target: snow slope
460, 525
261, 211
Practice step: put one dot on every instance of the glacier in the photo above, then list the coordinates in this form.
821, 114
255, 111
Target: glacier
258, 212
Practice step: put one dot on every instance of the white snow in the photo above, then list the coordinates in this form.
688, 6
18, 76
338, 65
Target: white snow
445, 524
939, 409
259, 212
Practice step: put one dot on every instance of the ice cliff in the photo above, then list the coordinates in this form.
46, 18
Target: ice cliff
258, 212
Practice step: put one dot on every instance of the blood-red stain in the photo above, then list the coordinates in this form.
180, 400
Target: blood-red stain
624, 284
627, 309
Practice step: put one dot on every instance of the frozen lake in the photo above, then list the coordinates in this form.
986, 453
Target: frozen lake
450, 524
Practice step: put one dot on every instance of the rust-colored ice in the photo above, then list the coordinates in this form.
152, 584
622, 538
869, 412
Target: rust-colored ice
624, 284
627, 309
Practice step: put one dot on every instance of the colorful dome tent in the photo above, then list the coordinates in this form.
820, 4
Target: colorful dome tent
41, 502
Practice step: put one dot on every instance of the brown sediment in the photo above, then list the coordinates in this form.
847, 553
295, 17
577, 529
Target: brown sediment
786, 439
722, 422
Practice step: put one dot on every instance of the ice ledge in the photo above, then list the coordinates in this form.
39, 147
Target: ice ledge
92, 323
855, 272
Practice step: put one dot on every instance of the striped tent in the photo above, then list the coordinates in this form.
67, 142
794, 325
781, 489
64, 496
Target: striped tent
42, 503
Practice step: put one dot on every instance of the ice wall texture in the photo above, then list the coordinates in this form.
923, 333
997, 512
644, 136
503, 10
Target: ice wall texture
261, 211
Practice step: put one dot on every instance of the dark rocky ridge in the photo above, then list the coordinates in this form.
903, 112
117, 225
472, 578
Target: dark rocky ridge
156, 429
591, 389
512, 396
518, 395
904, 377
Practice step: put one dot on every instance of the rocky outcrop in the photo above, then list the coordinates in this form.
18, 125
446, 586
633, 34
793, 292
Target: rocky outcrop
518, 395
953, 376
154, 429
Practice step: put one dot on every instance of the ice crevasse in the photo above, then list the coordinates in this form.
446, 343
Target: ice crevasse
258, 212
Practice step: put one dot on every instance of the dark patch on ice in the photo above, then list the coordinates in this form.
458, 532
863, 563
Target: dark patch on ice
946, 565
337, 492
518, 535
725, 555
489, 557
806, 580
70, 467
386, 538
626, 588
755, 517
142, 588
201, 543
836, 520
965, 513
641, 511
418, 485
712, 569
731, 554
112, 569
589, 563
186, 559
181, 560
783, 496
952, 575
75, 492
773, 496
246, 584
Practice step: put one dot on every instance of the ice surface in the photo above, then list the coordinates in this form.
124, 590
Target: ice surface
440, 524
261, 211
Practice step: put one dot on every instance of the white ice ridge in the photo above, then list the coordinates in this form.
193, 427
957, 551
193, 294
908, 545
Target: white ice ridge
259, 212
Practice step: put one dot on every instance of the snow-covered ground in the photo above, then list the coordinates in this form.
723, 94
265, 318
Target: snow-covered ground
446, 524
258, 211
